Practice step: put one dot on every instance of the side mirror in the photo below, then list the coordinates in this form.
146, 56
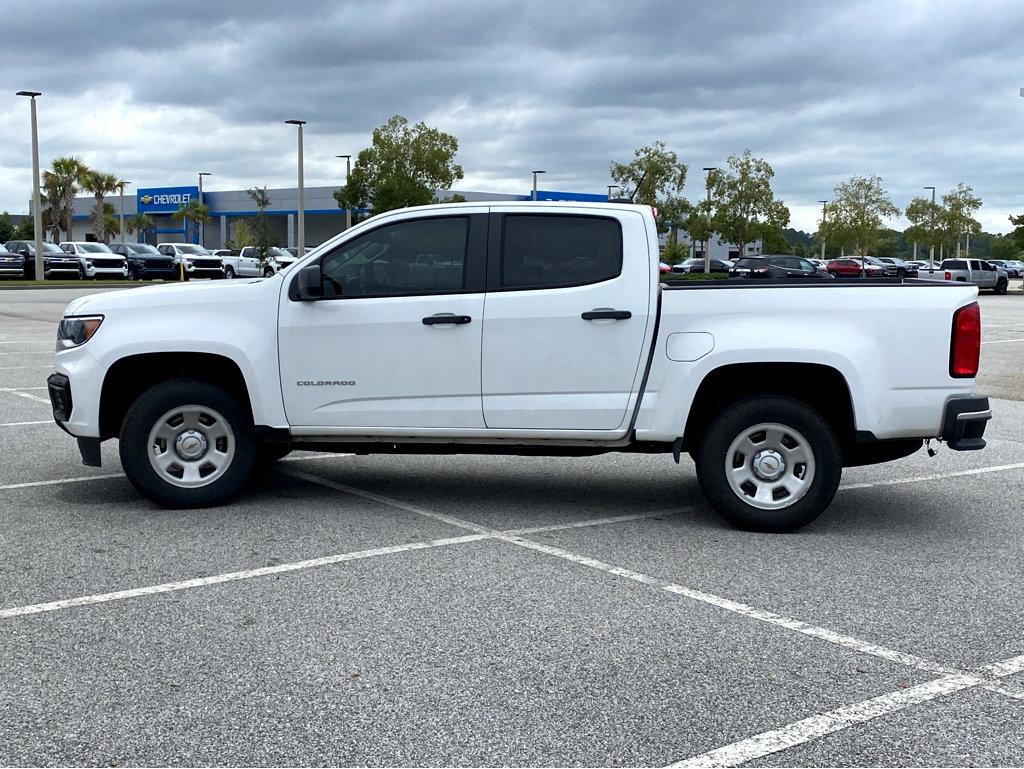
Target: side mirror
308, 284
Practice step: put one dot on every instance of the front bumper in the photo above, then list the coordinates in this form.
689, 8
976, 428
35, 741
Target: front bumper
964, 422
59, 387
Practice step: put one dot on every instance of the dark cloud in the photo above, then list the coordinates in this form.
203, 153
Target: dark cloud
917, 92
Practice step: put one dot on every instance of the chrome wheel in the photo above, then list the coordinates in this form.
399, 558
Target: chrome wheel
769, 466
191, 446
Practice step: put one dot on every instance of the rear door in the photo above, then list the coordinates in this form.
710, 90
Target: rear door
567, 319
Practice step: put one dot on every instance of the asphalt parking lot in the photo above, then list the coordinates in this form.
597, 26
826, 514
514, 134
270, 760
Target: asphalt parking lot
505, 611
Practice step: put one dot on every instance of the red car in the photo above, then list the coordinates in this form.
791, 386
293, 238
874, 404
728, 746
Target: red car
848, 267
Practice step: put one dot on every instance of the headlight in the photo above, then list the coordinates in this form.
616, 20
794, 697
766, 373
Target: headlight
88, 262
77, 330
189, 262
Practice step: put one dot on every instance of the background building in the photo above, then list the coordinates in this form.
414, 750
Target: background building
324, 219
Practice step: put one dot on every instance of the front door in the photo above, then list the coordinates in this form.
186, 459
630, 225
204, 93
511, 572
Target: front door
395, 342
566, 325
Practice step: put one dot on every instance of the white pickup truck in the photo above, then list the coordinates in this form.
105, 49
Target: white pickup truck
247, 263
520, 328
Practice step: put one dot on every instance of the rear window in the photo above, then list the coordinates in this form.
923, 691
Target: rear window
558, 251
954, 264
749, 263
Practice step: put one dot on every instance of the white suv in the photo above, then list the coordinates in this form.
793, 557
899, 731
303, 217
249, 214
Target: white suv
96, 259
198, 261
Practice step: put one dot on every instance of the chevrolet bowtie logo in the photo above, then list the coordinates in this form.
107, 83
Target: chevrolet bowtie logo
146, 200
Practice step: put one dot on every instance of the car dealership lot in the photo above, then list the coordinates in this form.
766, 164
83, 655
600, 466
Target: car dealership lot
505, 610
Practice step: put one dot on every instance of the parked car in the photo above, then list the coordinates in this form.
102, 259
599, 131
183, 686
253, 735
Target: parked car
96, 259
12, 265
56, 264
696, 264
850, 267
145, 262
977, 272
364, 349
663, 268
776, 266
903, 269
1013, 269
197, 261
294, 251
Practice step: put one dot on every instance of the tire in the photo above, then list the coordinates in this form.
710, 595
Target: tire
229, 273
794, 431
1001, 287
268, 272
208, 414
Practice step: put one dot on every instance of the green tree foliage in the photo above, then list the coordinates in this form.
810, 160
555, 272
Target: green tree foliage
1003, 247
925, 222
675, 252
263, 237
60, 185
1018, 230
959, 206
193, 211
111, 223
654, 177
141, 223
243, 236
453, 198
404, 165
774, 242
854, 217
100, 184
25, 230
745, 206
6, 227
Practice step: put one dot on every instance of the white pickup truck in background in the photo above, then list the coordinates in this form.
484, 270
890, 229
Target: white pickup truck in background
520, 328
247, 264
977, 272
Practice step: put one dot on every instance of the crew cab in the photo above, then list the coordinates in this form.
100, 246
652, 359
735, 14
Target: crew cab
977, 272
536, 328
96, 259
56, 263
248, 264
145, 262
192, 260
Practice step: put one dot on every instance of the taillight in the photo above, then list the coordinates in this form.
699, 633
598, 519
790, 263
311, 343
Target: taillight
948, 275
965, 347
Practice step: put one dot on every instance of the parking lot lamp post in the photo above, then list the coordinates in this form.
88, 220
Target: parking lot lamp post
707, 250
120, 189
823, 204
301, 239
931, 246
535, 182
37, 202
202, 226
348, 172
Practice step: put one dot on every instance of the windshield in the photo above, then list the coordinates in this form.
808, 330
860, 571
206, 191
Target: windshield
280, 253
93, 248
142, 248
48, 248
188, 248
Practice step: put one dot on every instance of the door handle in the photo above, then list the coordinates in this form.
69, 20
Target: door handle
449, 319
605, 314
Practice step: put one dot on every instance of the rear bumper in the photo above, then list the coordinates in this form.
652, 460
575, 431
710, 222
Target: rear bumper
964, 422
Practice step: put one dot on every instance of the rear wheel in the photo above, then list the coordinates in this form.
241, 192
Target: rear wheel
229, 272
769, 464
1001, 286
268, 272
187, 443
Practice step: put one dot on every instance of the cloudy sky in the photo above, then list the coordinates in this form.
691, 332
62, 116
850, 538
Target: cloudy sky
917, 92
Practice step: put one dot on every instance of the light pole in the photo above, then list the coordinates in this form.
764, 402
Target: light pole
202, 227
535, 182
348, 172
823, 204
301, 239
37, 201
120, 188
707, 250
931, 235
612, 187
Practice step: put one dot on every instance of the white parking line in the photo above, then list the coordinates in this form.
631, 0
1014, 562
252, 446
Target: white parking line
25, 352
17, 368
25, 424
815, 727
1004, 341
60, 481
934, 477
29, 396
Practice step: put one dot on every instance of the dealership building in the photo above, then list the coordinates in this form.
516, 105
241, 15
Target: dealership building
227, 208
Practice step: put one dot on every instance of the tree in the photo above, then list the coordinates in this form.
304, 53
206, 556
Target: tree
1018, 231
403, 167
111, 222
193, 211
773, 242
854, 217
59, 184
140, 223
655, 177
243, 236
745, 206
263, 237
1004, 247
6, 227
100, 184
925, 222
25, 230
959, 205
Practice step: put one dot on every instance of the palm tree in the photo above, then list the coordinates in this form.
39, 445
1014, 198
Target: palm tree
99, 184
141, 223
193, 211
59, 181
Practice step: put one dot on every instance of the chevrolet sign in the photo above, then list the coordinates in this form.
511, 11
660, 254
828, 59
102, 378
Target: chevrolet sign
165, 199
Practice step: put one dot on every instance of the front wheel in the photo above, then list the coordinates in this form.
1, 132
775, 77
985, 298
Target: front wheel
268, 272
229, 273
1001, 286
187, 443
769, 464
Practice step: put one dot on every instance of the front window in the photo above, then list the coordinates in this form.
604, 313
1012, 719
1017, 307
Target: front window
420, 256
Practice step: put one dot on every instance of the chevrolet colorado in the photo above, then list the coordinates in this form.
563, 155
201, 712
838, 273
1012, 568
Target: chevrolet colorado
520, 328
